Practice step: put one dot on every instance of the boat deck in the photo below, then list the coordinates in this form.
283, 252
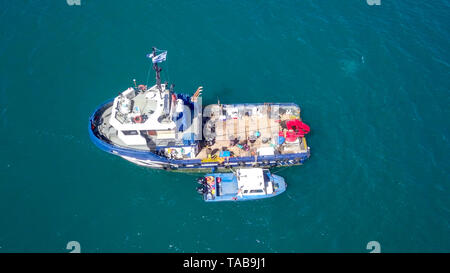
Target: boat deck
243, 127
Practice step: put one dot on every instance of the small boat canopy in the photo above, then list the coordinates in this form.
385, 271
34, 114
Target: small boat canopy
251, 181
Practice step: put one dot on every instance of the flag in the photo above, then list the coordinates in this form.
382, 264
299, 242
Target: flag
158, 58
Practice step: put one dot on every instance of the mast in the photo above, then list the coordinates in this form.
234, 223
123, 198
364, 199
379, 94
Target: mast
157, 70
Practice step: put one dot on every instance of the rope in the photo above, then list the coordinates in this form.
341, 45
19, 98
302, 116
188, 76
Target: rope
168, 73
148, 73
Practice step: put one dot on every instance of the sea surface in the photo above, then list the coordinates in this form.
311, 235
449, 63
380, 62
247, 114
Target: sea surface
372, 82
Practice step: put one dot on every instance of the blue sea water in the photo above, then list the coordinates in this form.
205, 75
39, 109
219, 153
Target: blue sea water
372, 81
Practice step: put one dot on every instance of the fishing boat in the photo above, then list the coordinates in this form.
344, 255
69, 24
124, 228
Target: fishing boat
155, 127
244, 184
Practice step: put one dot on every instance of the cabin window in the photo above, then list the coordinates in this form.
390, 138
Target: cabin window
246, 191
130, 133
256, 191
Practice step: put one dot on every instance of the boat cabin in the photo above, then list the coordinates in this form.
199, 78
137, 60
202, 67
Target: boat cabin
254, 181
153, 119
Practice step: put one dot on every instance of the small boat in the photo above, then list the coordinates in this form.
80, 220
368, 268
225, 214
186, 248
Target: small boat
245, 184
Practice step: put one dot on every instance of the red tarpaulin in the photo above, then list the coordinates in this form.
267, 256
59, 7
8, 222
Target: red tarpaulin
299, 128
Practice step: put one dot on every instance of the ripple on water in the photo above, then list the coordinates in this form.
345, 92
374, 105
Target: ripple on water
349, 66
